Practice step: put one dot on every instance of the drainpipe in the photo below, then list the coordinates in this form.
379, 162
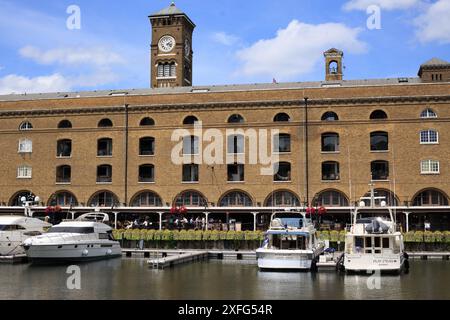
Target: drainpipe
307, 151
126, 153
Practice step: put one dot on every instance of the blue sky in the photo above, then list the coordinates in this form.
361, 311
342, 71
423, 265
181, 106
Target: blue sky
235, 41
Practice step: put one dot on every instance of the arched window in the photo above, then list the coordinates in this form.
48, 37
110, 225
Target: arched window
379, 141
378, 115
63, 174
104, 199
147, 146
190, 121
428, 114
283, 199
65, 124
105, 123
16, 200
191, 199
105, 147
282, 143
147, 122
333, 67
284, 172
380, 170
389, 197
331, 171
236, 199
430, 197
236, 118
282, 117
330, 142
147, 173
26, 126
64, 148
330, 116
236, 144
331, 198
146, 199
104, 174
63, 199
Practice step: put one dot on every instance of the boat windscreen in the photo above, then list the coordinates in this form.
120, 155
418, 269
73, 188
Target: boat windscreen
83, 230
292, 222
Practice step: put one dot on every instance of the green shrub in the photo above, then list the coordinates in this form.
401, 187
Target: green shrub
323, 235
118, 234
231, 235
223, 235
167, 235
409, 237
428, 237
418, 236
438, 237
334, 236
150, 235
447, 236
206, 235
214, 235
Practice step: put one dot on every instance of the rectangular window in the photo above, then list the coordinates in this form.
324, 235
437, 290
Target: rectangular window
25, 146
429, 137
430, 167
236, 173
24, 172
282, 143
386, 243
191, 145
236, 144
190, 173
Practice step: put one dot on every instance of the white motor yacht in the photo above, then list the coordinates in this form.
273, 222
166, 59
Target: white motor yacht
16, 229
291, 243
373, 241
84, 239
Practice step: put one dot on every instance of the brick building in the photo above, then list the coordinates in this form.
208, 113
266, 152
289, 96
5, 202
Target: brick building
113, 148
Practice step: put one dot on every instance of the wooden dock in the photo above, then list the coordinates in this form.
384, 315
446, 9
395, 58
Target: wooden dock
429, 255
171, 261
212, 254
22, 258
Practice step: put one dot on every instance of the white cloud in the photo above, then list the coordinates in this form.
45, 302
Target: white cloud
297, 49
72, 56
434, 24
19, 84
225, 38
383, 4
55, 82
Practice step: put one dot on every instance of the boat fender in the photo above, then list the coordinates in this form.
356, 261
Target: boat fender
109, 252
85, 252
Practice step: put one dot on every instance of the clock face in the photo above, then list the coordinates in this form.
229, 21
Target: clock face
166, 44
187, 47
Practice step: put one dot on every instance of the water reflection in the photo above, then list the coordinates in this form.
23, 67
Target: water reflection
133, 279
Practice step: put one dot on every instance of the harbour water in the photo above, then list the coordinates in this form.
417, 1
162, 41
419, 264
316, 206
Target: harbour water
132, 279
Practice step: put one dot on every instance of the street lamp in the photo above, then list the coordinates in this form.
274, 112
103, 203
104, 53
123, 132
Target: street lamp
28, 202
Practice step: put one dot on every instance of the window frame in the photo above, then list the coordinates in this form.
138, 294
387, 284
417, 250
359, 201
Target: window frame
428, 137
430, 164
26, 169
25, 142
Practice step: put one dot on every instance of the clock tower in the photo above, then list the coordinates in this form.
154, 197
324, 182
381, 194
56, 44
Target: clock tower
171, 48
